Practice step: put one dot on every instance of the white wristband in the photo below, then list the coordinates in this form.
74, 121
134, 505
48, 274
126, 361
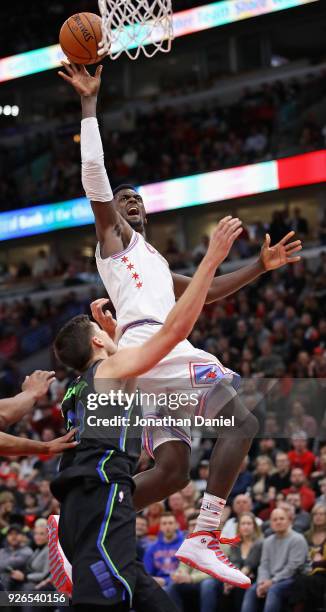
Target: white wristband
94, 177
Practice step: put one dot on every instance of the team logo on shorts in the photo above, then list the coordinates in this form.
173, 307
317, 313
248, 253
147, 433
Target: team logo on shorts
206, 374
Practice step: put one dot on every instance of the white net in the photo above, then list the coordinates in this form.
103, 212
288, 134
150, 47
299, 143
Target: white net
135, 26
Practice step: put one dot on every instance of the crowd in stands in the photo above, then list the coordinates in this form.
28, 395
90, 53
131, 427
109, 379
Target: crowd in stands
274, 334
264, 123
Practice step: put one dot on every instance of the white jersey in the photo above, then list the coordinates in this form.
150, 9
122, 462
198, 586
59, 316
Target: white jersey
138, 281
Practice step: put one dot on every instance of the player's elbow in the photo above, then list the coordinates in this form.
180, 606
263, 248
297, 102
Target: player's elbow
4, 422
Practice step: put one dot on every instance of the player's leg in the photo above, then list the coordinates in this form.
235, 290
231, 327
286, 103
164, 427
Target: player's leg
169, 474
202, 548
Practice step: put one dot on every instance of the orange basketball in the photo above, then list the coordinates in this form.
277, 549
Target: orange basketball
79, 38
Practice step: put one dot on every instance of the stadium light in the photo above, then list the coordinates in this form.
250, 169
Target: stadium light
184, 22
8, 110
218, 186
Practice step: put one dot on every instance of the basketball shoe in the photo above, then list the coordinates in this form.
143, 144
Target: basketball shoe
202, 550
60, 567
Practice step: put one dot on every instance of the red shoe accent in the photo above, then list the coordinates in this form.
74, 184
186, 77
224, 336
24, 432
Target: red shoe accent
59, 576
217, 536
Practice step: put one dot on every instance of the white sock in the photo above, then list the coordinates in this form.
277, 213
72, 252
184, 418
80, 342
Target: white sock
210, 513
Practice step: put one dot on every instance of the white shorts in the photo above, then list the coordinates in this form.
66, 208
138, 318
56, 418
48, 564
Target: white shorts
184, 370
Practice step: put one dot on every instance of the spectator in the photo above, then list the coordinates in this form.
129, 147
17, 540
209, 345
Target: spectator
299, 224
241, 503
176, 506
142, 539
300, 456
283, 555
7, 502
37, 567
301, 518
322, 498
243, 482
300, 422
159, 559
298, 484
13, 557
246, 556
281, 478
153, 515
262, 475
310, 589
200, 250
201, 481
188, 583
41, 265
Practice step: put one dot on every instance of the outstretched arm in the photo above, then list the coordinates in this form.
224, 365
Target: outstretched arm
270, 258
12, 409
113, 232
12, 445
132, 362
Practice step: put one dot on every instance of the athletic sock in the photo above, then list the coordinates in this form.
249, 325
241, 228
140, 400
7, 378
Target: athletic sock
210, 513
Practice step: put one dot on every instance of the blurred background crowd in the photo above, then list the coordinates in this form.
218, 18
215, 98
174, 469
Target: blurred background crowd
248, 92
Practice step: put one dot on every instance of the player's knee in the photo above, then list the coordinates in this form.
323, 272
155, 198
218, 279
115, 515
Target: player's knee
250, 426
173, 461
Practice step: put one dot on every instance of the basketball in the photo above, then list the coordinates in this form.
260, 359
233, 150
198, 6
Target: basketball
79, 38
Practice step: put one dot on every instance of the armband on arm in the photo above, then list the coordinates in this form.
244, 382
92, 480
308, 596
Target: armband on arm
94, 177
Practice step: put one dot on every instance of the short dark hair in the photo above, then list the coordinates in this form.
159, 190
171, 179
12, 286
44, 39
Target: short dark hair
123, 186
167, 514
72, 344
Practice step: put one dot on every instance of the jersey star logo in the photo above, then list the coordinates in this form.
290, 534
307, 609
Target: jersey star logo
135, 275
130, 266
139, 285
124, 259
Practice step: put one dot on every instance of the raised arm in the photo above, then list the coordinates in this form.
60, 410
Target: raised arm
134, 361
12, 409
112, 231
270, 258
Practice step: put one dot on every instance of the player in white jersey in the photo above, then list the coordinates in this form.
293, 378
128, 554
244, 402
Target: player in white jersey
143, 291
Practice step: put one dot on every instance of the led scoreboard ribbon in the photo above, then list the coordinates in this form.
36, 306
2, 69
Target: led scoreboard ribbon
184, 22
218, 186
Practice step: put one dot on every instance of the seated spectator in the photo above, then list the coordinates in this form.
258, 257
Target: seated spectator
298, 484
284, 554
243, 482
300, 422
188, 584
203, 471
14, 557
200, 250
316, 536
142, 540
246, 556
262, 475
299, 224
241, 503
7, 502
190, 495
176, 506
41, 265
37, 567
281, 478
322, 498
310, 589
301, 519
153, 514
159, 559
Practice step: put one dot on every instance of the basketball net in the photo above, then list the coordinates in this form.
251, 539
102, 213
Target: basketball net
135, 26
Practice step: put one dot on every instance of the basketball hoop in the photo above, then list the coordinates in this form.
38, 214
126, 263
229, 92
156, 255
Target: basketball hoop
132, 26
